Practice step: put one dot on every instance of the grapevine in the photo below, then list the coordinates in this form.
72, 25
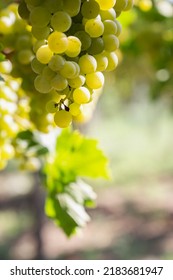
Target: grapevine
53, 55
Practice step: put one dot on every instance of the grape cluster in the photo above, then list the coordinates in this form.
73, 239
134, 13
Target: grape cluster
76, 41
13, 112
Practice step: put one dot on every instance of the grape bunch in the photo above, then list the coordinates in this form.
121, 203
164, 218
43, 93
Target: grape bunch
14, 108
75, 42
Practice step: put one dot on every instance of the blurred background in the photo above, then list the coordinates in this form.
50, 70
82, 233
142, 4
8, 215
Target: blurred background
133, 122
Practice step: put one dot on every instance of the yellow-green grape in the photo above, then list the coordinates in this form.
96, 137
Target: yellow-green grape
81, 95
70, 69
42, 85
108, 14
71, 7
90, 9
110, 27
95, 80
77, 82
40, 33
48, 74
73, 47
119, 27
75, 109
40, 16
111, 42
57, 62
5, 67
25, 56
97, 46
53, 6
51, 107
38, 44
84, 38
37, 66
120, 5
33, 2
94, 27
102, 62
112, 61
61, 21
23, 42
44, 54
106, 4
62, 118
23, 10
87, 64
130, 4
57, 42
59, 83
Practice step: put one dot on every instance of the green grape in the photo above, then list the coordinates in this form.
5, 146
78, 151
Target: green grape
48, 74
110, 27
62, 118
25, 56
61, 21
108, 14
40, 17
106, 4
77, 82
102, 62
81, 95
112, 61
94, 27
111, 42
68, 70
72, 7
38, 44
42, 85
44, 54
119, 28
33, 2
23, 42
40, 33
120, 5
53, 6
87, 64
59, 83
90, 9
51, 107
37, 66
56, 63
57, 42
130, 4
75, 109
23, 10
74, 46
97, 46
84, 38
95, 80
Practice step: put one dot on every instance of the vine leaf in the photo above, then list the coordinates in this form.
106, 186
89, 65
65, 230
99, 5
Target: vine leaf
75, 157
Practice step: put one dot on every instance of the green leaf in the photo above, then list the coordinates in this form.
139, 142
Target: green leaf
25, 135
67, 208
75, 156
81, 155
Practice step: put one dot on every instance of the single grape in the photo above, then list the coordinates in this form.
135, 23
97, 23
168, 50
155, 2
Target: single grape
40, 17
77, 82
42, 85
81, 95
37, 66
102, 62
84, 38
110, 27
73, 47
40, 33
111, 42
90, 9
57, 42
51, 107
59, 83
95, 80
61, 21
87, 64
62, 118
75, 109
72, 7
44, 54
94, 27
106, 4
97, 46
56, 63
